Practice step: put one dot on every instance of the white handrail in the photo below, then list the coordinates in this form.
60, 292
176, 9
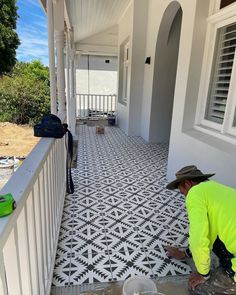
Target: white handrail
95, 105
28, 237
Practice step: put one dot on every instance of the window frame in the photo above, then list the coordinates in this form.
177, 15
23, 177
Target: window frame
220, 19
126, 71
215, 6
226, 4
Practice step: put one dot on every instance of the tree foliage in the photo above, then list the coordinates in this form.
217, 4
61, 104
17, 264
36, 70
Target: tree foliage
25, 94
9, 40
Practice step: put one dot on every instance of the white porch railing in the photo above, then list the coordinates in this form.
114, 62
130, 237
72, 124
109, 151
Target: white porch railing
95, 105
28, 237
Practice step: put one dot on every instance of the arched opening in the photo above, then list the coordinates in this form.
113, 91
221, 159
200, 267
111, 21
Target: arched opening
166, 59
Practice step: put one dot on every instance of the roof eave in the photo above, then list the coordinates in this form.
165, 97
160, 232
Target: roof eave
43, 4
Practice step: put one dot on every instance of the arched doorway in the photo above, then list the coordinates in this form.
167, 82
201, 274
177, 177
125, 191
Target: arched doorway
166, 59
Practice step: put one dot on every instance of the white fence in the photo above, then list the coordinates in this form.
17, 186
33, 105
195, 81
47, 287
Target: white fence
95, 105
28, 237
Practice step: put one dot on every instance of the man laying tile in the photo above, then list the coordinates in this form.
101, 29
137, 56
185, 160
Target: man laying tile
211, 209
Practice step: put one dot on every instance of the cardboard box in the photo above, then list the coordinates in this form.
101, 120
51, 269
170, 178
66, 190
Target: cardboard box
100, 129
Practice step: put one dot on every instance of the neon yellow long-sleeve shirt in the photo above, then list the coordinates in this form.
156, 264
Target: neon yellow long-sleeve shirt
211, 209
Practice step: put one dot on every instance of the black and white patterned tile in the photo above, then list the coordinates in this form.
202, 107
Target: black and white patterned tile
88, 240
90, 268
163, 266
129, 263
61, 273
120, 217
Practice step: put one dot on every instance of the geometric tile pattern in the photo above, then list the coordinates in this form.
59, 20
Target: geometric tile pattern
120, 216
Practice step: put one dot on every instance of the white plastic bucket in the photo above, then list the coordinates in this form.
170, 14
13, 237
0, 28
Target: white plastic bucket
6, 169
139, 286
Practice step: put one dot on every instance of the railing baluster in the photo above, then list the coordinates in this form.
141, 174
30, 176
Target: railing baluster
57, 144
38, 192
107, 104
46, 209
112, 96
114, 99
53, 199
95, 102
95, 105
80, 102
89, 105
28, 247
84, 105
18, 254
3, 282
12, 268
23, 253
32, 245
44, 230
99, 99
47, 180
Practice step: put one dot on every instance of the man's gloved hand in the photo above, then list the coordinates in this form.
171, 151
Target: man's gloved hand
196, 279
175, 253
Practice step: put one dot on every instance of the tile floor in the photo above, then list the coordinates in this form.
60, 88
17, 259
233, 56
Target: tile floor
116, 223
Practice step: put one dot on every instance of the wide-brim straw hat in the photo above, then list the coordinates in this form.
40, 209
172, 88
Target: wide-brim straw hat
188, 173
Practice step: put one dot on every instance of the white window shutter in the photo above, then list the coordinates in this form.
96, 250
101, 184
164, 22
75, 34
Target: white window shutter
221, 74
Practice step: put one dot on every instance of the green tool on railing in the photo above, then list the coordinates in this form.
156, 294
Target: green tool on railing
7, 204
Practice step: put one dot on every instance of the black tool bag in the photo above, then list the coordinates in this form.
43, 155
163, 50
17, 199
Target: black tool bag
50, 126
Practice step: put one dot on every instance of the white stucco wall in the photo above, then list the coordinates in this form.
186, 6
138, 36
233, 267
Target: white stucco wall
125, 30
156, 11
101, 78
132, 29
166, 58
187, 146
140, 10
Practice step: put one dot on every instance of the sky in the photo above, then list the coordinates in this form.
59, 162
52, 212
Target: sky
32, 32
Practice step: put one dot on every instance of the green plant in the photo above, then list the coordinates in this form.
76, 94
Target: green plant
9, 40
25, 94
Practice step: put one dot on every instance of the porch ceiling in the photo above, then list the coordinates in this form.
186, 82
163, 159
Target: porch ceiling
90, 17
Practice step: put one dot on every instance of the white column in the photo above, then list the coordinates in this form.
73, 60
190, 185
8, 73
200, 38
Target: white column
59, 36
51, 57
67, 72
73, 92
72, 74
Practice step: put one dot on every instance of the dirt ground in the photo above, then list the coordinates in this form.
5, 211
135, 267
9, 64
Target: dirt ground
16, 140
